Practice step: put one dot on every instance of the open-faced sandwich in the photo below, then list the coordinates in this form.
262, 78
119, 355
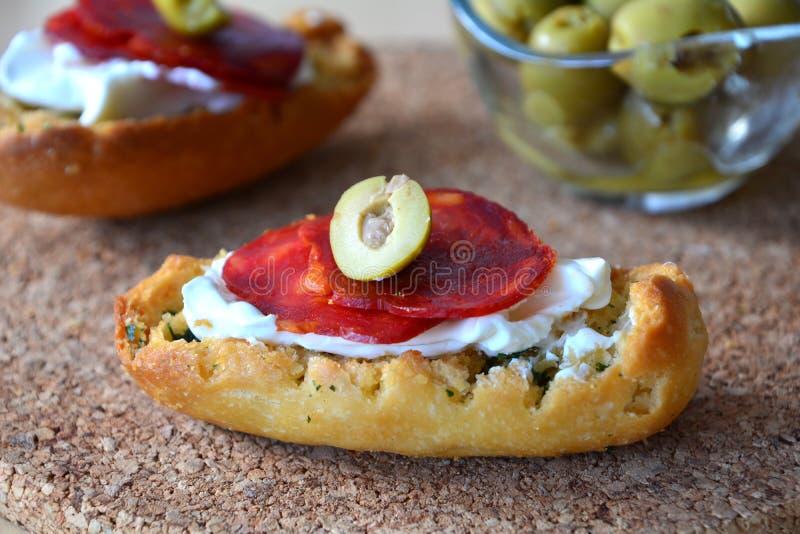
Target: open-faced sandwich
430, 323
117, 108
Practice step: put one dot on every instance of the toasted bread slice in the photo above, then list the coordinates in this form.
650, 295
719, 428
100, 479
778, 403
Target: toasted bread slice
50, 162
463, 404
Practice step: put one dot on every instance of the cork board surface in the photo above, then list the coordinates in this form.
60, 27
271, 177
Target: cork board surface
81, 447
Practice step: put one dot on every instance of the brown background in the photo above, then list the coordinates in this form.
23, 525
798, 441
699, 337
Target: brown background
82, 447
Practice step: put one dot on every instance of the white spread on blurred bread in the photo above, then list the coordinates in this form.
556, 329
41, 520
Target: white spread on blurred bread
50, 161
55, 76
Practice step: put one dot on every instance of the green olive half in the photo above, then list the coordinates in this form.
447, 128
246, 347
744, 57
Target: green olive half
767, 12
378, 228
667, 72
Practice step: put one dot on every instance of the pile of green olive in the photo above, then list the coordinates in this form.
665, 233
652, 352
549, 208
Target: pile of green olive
646, 108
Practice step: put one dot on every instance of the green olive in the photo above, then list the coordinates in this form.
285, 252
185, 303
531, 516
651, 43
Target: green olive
192, 17
645, 125
665, 71
528, 12
507, 26
598, 138
570, 30
667, 74
665, 143
556, 95
606, 7
378, 228
514, 18
641, 22
767, 12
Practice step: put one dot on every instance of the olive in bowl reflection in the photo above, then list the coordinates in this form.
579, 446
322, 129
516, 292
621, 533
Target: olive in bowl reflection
665, 143
555, 95
598, 137
666, 71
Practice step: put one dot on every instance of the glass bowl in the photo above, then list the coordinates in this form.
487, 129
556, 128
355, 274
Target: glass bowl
613, 142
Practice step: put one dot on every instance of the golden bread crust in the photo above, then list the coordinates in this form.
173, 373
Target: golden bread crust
451, 407
126, 168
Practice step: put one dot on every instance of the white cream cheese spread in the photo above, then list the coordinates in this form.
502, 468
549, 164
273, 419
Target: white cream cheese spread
55, 76
211, 311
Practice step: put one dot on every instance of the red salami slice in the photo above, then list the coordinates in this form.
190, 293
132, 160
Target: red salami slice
68, 26
247, 55
272, 273
480, 259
